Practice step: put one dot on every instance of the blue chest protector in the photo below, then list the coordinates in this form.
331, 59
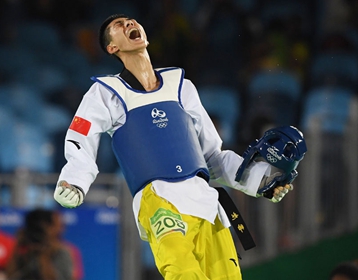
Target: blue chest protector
157, 141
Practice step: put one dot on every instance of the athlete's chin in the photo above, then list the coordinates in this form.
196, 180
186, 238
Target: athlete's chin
136, 47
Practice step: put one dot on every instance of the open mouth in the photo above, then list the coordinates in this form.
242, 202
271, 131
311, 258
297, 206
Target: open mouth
134, 34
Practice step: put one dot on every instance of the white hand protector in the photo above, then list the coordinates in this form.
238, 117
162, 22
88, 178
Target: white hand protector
67, 195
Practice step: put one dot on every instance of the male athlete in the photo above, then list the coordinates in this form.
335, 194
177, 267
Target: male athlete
168, 149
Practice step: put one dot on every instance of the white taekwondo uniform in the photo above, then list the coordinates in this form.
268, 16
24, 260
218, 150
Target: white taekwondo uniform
105, 107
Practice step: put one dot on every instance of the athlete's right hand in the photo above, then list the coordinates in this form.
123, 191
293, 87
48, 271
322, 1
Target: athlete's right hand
67, 195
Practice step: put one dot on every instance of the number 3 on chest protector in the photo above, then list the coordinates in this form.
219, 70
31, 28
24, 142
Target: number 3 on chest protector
179, 169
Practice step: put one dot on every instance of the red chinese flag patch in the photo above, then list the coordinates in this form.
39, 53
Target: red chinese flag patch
80, 125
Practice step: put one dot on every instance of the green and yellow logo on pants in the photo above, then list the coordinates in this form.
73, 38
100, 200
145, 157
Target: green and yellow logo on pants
165, 221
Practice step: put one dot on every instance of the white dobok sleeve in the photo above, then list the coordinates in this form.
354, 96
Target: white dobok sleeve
222, 165
100, 111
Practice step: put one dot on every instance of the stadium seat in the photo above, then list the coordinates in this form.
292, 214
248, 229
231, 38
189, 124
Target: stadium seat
55, 118
106, 160
224, 104
23, 145
77, 67
280, 81
27, 103
14, 60
189, 7
275, 94
5, 90
328, 105
103, 11
39, 35
272, 9
352, 34
335, 69
325, 122
7, 117
286, 10
51, 79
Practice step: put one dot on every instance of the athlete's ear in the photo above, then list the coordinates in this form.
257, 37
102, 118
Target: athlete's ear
111, 49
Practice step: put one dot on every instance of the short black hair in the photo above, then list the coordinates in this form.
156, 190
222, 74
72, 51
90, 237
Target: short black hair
103, 32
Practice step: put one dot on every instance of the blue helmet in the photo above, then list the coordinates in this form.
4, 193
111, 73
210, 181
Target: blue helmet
282, 147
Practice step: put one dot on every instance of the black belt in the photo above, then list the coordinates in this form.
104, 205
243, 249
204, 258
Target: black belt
236, 219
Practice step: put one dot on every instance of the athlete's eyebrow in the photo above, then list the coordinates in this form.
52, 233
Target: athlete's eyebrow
121, 19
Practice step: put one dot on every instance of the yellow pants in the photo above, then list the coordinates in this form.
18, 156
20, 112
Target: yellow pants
187, 247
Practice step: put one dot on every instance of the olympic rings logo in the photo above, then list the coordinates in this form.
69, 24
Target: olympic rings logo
162, 125
271, 158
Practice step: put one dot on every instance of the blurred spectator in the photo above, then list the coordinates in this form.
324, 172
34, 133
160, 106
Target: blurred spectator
64, 13
39, 253
345, 271
283, 46
78, 271
218, 26
6, 246
171, 30
336, 41
335, 15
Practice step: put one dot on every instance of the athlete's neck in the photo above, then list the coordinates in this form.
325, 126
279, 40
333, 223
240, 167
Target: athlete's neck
141, 68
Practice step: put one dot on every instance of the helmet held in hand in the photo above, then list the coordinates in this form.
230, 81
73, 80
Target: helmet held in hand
282, 147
